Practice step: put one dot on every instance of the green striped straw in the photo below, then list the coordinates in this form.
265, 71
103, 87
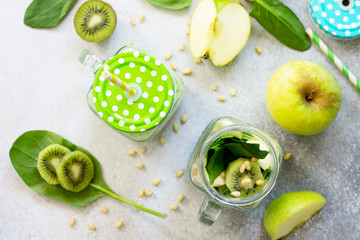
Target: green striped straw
334, 58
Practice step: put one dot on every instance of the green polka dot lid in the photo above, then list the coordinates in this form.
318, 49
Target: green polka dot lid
120, 110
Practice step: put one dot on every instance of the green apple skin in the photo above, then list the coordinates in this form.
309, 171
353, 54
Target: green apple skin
291, 85
289, 211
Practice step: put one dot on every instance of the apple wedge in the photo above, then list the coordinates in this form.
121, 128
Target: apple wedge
289, 211
219, 29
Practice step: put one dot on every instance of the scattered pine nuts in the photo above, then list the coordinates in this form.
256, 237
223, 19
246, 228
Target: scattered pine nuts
245, 182
141, 192
184, 118
119, 224
173, 66
142, 18
132, 21
188, 31
197, 60
104, 209
181, 198
139, 165
176, 127
221, 98
142, 150
258, 50
72, 222
287, 156
235, 194
214, 87
156, 181
233, 92
181, 46
179, 173
91, 226
254, 159
259, 182
162, 140
168, 56
131, 152
173, 207
242, 168
148, 193
248, 166
129, 43
187, 71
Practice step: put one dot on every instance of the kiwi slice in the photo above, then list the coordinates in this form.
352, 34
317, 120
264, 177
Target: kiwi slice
75, 171
95, 21
48, 160
245, 182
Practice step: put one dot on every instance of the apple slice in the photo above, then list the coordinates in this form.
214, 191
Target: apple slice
219, 29
289, 211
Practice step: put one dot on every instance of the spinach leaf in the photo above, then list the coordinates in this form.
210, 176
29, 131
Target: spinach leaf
266, 173
224, 190
215, 165
47, 13
246, 150
282, 23
171, 4
24, 154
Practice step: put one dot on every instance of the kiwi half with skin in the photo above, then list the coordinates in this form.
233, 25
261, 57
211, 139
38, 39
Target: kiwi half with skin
95, 20
48, 160
75, 171
235, 180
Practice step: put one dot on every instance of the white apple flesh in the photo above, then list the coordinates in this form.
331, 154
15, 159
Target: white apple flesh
219, 30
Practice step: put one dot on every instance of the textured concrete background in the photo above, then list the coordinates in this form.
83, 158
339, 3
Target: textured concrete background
43, 86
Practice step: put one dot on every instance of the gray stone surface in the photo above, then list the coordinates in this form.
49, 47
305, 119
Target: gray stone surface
43, 86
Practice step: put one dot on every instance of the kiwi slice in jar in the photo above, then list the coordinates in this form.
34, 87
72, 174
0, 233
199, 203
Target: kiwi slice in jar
75, 171
48, 160
244, 178
95, 20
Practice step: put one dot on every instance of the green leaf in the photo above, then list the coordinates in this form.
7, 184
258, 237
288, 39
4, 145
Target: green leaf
246, 150
215, 165
266, 173
282, 23
171, 4
47, 13
24, 154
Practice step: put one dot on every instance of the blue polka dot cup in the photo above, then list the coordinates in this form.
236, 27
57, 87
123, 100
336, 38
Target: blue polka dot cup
337, 18
156, 91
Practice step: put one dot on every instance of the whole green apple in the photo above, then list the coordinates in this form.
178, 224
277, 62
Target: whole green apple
303, 97
289, 211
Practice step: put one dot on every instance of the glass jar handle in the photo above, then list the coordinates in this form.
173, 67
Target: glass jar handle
91, 61
208, 212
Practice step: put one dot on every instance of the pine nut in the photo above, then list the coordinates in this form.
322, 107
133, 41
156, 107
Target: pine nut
148, 193
179, 173
119, 224
91, 226
142, 18
156, 181
72, 222
181, 198
258, 50
196, 172
173, 207
259, 182
162, 140
142, 150
233, 92
132, 21
176, 127
235, 194
168, 56
188, 31
222, 174
245, 182
173, 66
181, 46
214, 87
248, 166
287, 156
197, 60
187, 71
242, 168
104, 209
184, 118
129, 43
141, 192
139, 165
131, 152
221, 98
254, 159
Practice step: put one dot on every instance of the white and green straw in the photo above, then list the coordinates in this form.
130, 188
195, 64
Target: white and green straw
334, 58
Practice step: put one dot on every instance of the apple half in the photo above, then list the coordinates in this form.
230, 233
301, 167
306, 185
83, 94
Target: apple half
219, 30
289, 211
